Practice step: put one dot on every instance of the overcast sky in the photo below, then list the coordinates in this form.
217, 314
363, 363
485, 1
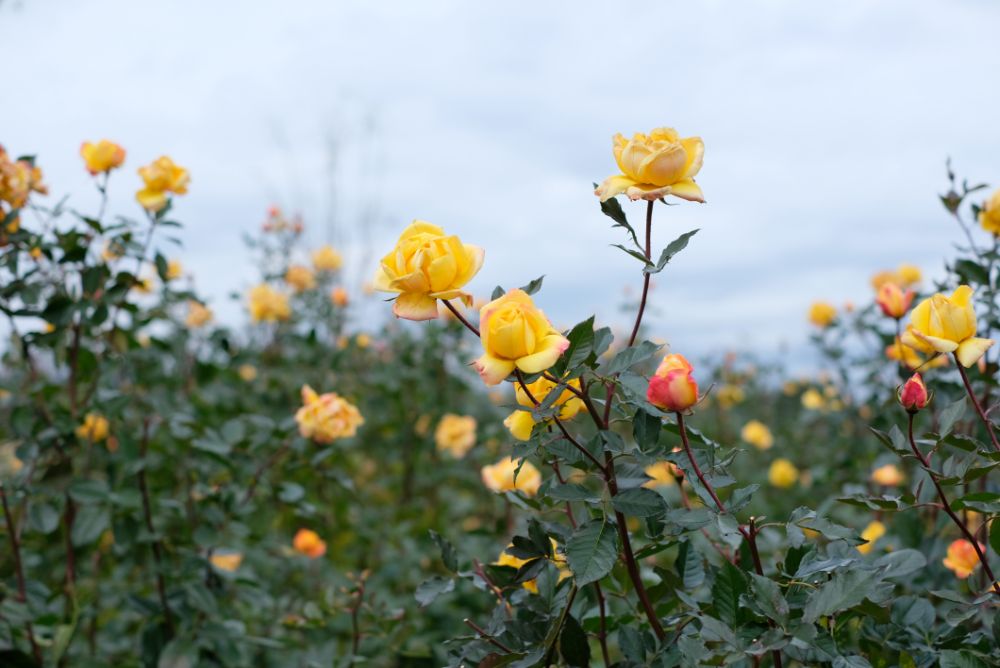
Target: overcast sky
826, 127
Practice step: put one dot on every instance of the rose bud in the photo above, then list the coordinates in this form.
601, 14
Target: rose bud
913, 394
893, 301
672, 387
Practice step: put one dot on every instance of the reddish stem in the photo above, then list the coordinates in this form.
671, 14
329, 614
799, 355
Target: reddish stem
975, 402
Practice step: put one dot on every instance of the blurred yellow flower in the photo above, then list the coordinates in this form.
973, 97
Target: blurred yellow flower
247, 373
300, 277
112, 251
961, 558
268, 305
455, 434
729, 395
362, 340
427, 265
18, 179
946, 325
888, 475
782, 473
520, 423
822, 314
516, 335
101, 157
908, 275
174, 270
872, 533
226, 561
9, 462
339, 297
893, 301
813, 400
309, 543
161, 178
558, 559
94, 428
326, 417
757, 434
198, 315
911, 358
663, 474
654, 166
989, 214
499, 477
325, 258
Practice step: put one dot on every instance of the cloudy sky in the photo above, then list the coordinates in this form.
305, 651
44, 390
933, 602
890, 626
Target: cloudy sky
826, 129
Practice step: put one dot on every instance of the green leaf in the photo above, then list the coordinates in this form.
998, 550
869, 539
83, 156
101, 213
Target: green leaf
672, 249
844, 590
767, 595
639, 502
636, 254
534, 286
950, 415
42, 517
449, 556
646, 429
573, 644
630, 357
613, 210
690, 566
730, 583
431, 588
89, 491
581, 344
592, 551
89, 523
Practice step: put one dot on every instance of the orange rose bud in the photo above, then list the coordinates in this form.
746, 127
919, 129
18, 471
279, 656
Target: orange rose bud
309, 543
913, 395
893, 301
672, 387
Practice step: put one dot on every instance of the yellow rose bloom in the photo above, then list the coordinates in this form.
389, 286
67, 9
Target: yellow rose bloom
198, 315
455, 434
226, 561
908, 275
300, 277
10, 464
268, 305
961, 559
520, 423
822, 314
174, 270
945, 325
913, 360
326, 417
325, 258
872, 533
101, 157
308, 543
654, 166
663, 474
161, 177
499, 477
888, 475
558, 559
813, 400
247, 373
730, 395
18, 179
362, 340
782, 473
516, 334
94, 428
427, 265
757, 434
989, 215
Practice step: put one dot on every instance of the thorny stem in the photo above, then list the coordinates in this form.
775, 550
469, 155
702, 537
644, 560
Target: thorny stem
157, 546
946, 506
749, 533
22, 595
486, 636
975, 402
262, 469
461, 318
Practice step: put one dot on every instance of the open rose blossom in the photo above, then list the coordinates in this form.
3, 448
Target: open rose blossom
500, 477
654, 166
427, 265
455, 434
326, 417
947, 325
961, 558
516, 335
672, 387
101, 157
520, 423
161, 178
309, 543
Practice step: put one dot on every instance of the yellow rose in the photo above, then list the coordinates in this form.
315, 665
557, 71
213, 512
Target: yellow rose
730, 395
325, 258
908, 275
516, 334
499, 477
663, 474
654, 166
427, 265
326, 417
161, 177
268, 305
888, 475
520, 423
300, 278
455, 434
18, 179
174, 270
872, 533
506, 559
782, 474
822, 314
913, 360
757, 434
247, 373
101, 157
198, 315
362, 340
989, 215
962, 558
945, 325
226, 561
813, 400
94, 428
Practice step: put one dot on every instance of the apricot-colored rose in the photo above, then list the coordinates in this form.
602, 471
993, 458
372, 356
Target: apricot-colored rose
101, 157
654, 166
326, 417
673, 387
516, 335
309, 543
161, 178
500, 477
947, 324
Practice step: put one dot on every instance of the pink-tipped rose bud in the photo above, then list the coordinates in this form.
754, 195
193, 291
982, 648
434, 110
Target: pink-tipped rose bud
893, 301
672, 388
913, 395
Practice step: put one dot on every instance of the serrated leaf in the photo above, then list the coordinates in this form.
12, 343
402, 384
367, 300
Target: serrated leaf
431, 588
534, 286
730, 583
449, 556
592, 551
573, 644
672, 249
639, 502
630, 357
